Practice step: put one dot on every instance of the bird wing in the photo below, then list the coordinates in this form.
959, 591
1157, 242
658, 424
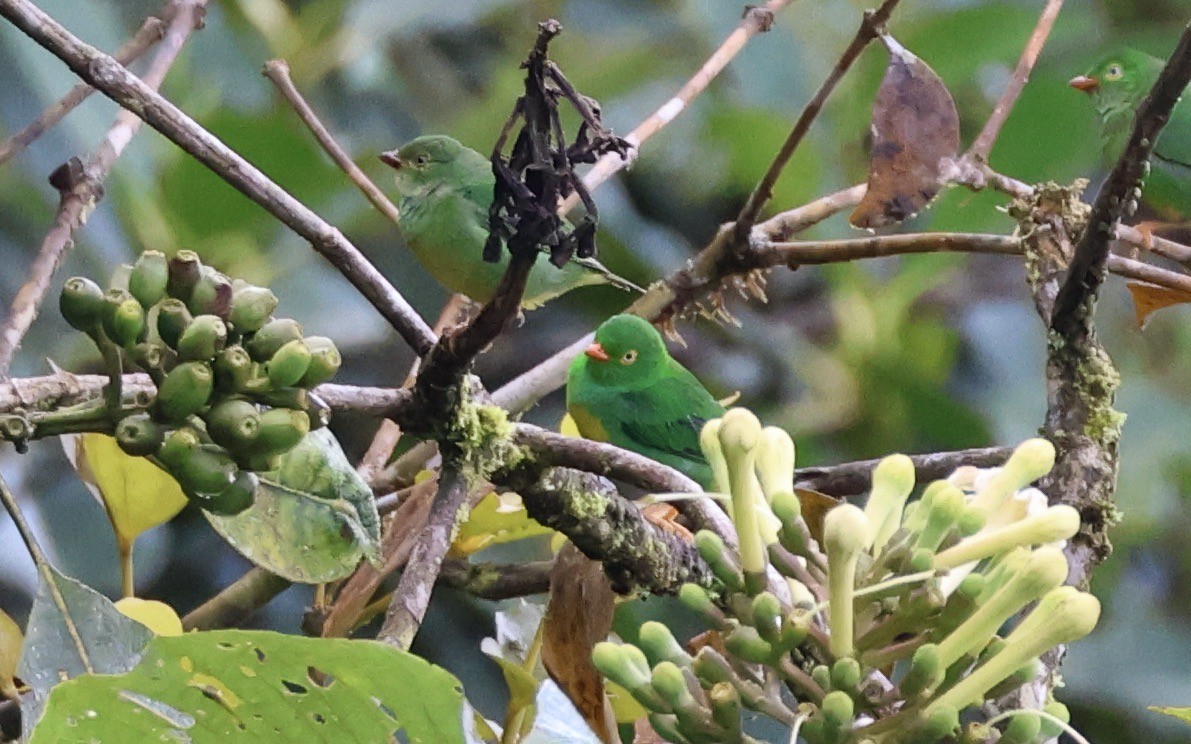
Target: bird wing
1174, 144
669, 419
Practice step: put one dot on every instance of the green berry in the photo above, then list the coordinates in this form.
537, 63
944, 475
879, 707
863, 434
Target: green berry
81, 303
251, 308
203, 339
139, 435
149, 277
271, 337
324, 361
123, 317
288, 364
184, 391
185, 268
234, 424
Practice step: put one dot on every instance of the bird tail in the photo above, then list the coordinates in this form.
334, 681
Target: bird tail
615, 280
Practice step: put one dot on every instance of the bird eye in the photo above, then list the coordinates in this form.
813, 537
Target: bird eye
421, 160
629, 357
1114, 72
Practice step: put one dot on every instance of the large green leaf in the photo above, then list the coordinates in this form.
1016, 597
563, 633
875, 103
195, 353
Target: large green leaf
312, 520
65, 614
260, 686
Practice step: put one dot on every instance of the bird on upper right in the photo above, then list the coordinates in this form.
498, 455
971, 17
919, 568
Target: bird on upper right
1117, 84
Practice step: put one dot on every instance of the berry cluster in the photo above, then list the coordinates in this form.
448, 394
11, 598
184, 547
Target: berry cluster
232, 381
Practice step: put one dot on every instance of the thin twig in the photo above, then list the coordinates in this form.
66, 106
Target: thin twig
853, 478
983, 144
150, 32
110, 78
80, 188
837, 251
1077, 297
277, 70
43, 567
237, 602
756, 20
870, 27
496, 581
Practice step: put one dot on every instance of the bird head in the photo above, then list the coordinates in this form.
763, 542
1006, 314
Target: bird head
627, 349
1119, 80
425, 162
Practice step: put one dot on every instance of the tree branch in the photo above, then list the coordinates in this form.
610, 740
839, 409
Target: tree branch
109, 77
855, 478
80, 186
495, 581
150, 32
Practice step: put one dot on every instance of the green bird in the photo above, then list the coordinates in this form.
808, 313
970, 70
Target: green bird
446, 190
627, 390
1117, 84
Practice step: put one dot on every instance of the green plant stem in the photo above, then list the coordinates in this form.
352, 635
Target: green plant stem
113, 392
799, 681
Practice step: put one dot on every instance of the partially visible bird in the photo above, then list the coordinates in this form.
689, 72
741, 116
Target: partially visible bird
446, 190
1117, 84
627, 390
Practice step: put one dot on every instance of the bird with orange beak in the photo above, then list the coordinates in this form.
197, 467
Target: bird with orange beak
627, 390
1117, 84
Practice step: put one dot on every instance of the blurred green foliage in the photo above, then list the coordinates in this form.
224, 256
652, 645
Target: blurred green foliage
856, 361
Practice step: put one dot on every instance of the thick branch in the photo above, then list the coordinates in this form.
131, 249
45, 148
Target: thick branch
114, 81
497, 580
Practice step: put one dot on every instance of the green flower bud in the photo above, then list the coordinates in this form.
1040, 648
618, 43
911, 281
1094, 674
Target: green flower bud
938, 722
184, 271
1045, 569
711, 547
203, 339
709, 442
139, 435
658, 644
1025, 673
698, 600
148, 278
618, 664
184, 391
1031, 460
1056, 523
666, 726
667, 679
960, 605
792, 535
801, 597
1023, 728
845, 533
767, 616
821, 675
739, 436
288, 364
324, 361
838, 709
775, 462
123, 317
970, 521
172, 320
271, 337
845, 675
711, 668
944, 511
252, 307
925, 674
795, 630
234, 370
893, 480
211, 295
280, 429
746, 644
233, 499
1064, 615
81, 304
234, 424
914, 515
1051, 729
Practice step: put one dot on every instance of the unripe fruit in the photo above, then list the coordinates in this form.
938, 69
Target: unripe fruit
288, 364
211, 295
81, 303
234, 498
234, 424
123, 317
149, 277
139, 435
203, 339
271, 337
185, 389
185, 268
324, 361
251, 308
172, 320
280, 429
233, 369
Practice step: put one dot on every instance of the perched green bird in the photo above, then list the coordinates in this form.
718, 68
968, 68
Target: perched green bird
1117, 85
446, 190
627, 390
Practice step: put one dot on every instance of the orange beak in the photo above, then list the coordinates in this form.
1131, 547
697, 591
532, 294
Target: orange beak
390, 159
1084, 83
596, 352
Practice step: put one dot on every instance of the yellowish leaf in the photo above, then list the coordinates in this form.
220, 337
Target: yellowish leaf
624, 706
1150, 298
498, 518
156, 616
135, 493
1183, 714
11, 641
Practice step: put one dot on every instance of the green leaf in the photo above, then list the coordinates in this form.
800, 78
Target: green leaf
112, 642
296, 525
11, 640
256, 686
1183, 714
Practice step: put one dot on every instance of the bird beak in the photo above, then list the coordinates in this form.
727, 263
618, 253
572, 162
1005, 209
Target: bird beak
390, 159
1084, 83
596, 352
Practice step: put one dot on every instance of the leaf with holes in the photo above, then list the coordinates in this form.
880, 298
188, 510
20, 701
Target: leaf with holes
312, 520
66, 614
915, 131
255, 686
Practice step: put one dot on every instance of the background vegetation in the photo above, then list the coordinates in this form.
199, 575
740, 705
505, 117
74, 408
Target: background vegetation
856, 360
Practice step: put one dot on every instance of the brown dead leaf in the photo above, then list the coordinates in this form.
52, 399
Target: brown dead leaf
712, 638
1150, 298
578, 616
915, 138
815, 506
665, 517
